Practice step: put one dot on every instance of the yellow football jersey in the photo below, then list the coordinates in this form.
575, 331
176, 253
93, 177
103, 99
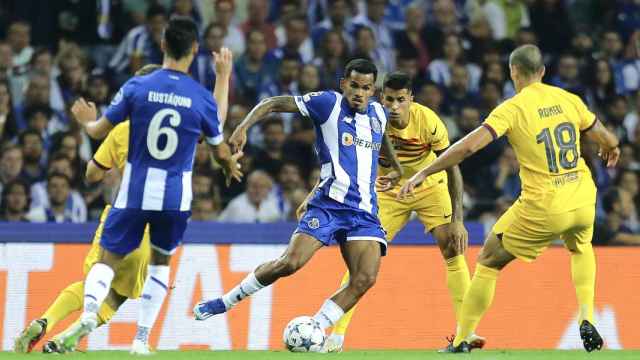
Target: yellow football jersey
415, 145
543, 125
113, 150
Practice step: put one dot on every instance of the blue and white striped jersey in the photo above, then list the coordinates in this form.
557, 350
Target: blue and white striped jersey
168, 111
348, 145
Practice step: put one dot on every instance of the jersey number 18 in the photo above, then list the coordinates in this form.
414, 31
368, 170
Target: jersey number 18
565, 138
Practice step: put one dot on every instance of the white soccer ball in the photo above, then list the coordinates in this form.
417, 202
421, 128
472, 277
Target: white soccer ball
303, 334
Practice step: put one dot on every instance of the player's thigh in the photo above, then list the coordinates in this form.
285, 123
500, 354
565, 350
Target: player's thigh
166, 229
580, 232
393, 214
132, 270
301, 249
362, 258
122, 232
524, 232
433, 208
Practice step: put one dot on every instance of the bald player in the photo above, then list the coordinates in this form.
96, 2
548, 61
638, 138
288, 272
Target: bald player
544, 125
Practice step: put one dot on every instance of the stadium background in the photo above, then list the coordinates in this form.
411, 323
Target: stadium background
51, 52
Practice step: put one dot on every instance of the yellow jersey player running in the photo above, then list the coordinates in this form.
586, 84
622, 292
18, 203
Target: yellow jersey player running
544, 125
419, 136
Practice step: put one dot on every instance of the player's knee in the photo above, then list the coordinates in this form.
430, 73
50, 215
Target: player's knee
362, 282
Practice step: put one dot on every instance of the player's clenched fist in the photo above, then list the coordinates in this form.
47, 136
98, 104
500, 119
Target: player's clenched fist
407, 188
83, 111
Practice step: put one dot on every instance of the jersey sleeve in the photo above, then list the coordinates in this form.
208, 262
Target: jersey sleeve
211, 126
120, 107
501, 119
316, 105
586, 119
438, 134
107, 154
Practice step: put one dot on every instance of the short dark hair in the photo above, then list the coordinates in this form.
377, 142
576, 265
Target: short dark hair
272, 121
57, 156
528, 59
147, 69
362, 66
155, 10
58, 175
398, 80
179, 36
30, 111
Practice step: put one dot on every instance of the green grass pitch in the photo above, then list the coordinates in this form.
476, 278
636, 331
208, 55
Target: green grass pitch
349, 355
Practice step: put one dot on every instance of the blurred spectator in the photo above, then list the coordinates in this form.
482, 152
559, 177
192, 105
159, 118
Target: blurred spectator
251, 68
286, 191
202, 68
257, 13
98, 90
67, 143
204, 209
257, 204
445, 23
411, 38
19, 38
338, 20
490, 96
309, 79
440, 68
506, 17
507, 180
550, 21
373, 18
6, 61
582, 48
295, 42
37, 101
60, 208
7, 120
203, 162
630, 120
234, 38
11, 164
616, 111
567, 76
285, 81
73, 74
14, 206
495, 71
32, 149
478, 35
186, 8
58, 164
600, 85
631, 69
457, 94
141, 45
431, 96
333, 56
618, 206
628, 180
611, 47
42, 62
368, 47
270, 158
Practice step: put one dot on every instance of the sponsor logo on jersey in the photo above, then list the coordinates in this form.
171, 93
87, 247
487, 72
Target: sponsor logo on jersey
347, 139
348, 119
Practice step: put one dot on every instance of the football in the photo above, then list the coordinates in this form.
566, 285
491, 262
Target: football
303, 334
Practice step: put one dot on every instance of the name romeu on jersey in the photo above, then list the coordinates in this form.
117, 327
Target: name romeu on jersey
168, 111
348, 146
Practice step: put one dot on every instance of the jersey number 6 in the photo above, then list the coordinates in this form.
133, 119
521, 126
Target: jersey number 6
156, 130
565, 137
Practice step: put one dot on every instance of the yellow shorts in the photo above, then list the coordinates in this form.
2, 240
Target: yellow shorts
527, 231
132, 271
433, 207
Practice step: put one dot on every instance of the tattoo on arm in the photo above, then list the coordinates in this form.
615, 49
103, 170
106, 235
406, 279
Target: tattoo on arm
267, 106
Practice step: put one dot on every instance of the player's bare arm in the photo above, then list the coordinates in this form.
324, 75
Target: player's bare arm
228, 161
223, 62
467, 146
608, 142
387, 182
85, 114
265, 107
456, 229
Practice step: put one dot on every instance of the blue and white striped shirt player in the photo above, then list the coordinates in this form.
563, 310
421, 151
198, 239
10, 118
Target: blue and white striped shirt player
168, 112
348, 145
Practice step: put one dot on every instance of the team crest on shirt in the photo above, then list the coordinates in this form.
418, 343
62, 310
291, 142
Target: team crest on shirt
347, 139
375, 125
348, 119
118, 98
313, 223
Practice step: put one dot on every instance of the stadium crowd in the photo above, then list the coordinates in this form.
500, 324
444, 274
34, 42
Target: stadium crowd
456, 50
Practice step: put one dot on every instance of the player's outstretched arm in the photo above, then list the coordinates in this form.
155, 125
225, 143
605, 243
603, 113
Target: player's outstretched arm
467, 146
607, 140
273, 104
223, 62
387, 182
85, 114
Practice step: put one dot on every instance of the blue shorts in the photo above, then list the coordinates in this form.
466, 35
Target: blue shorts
328, 220
123, 229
